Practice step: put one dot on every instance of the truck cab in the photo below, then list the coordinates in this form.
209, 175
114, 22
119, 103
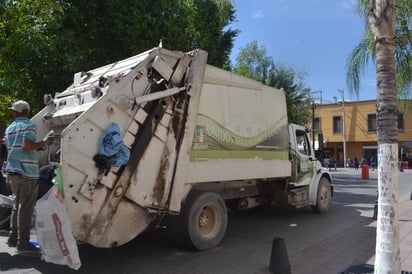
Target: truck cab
306, 171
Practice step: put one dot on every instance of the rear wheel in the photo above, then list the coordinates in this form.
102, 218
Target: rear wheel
204, 218
324, 196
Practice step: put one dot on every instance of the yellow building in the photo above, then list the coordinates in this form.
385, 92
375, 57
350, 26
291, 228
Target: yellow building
354, 124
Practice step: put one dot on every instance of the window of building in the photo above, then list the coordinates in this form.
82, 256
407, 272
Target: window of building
337, 125
372, 122
316, 124
400, 122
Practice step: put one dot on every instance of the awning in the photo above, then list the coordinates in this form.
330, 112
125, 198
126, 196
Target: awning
370, 147
406, 144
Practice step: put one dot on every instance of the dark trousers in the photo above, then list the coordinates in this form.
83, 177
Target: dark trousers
25, 191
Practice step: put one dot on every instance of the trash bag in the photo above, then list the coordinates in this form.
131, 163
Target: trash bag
122, 157
111, 141
112, 151
54, 231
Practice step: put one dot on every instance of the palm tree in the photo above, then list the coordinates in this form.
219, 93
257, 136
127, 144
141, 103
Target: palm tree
382, 18
379, 41
365, 51
388, 41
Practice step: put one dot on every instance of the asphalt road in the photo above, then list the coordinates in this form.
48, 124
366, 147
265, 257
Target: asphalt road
248, 242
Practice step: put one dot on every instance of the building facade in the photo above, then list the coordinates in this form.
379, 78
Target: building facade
350, 128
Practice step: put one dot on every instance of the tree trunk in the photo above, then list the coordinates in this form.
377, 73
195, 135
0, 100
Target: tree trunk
382, 22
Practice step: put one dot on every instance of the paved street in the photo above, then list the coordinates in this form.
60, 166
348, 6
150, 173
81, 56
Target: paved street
315, 243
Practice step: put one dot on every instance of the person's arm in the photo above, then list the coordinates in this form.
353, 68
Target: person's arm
29, 145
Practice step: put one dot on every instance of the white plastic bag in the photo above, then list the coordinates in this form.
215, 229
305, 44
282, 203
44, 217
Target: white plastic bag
54, 231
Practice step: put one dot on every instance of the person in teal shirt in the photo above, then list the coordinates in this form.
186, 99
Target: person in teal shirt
22, 172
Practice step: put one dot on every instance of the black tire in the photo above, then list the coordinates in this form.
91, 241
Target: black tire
204, 219
324, 196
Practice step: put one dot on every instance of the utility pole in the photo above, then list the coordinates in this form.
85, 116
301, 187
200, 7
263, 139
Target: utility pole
313, 124
342, 95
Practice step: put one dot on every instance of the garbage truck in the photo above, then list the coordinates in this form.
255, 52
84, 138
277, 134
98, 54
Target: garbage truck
195, 141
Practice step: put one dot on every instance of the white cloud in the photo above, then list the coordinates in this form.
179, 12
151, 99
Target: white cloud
258, 14
349, 4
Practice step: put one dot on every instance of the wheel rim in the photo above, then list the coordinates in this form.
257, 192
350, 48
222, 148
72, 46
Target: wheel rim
207, 223
324, 196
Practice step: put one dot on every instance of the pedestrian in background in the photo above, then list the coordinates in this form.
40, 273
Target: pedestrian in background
334, 162
348, 163
372, 161
326, 163
364, 161
356, 163
22, 171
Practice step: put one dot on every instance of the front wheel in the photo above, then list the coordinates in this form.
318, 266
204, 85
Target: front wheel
204, 219
323, 197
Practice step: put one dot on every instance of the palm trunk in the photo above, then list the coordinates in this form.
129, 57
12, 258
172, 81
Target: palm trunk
387, 259
382, 22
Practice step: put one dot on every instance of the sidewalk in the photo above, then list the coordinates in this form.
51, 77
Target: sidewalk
405, 227
405, 222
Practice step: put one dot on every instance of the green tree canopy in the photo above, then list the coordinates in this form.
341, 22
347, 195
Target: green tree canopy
364, 52
42, 44
26, 49
253, 62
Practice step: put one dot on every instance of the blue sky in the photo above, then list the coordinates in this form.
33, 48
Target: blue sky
311, 36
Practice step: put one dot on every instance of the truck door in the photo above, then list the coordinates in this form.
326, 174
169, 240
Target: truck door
301, 153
